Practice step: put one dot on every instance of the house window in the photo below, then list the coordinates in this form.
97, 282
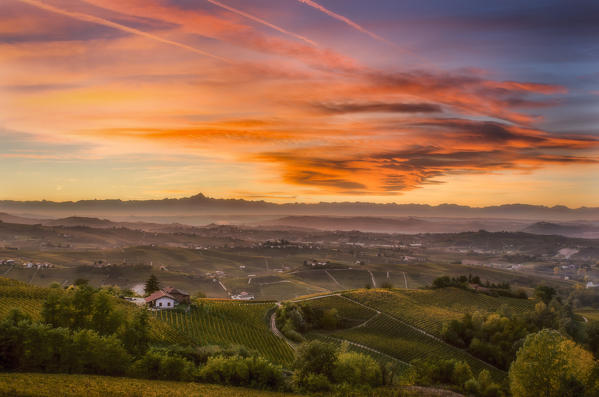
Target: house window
168, 304
160, 304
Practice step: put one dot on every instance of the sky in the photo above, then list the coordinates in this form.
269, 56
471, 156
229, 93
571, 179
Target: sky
436, 101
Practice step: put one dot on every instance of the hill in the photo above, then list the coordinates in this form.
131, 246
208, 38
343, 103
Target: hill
406, 324
578, 230
202, 206
406, 225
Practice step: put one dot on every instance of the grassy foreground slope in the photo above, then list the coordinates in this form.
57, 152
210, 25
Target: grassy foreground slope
50, 385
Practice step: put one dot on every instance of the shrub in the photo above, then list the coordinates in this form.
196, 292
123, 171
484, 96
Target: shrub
158, 365
255, 372
356, 369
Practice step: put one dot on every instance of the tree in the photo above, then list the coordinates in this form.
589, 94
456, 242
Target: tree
315, 357
547, 364
136, 336
357, 369
545, 293
593, 337
105, 319
152, 285
330, 319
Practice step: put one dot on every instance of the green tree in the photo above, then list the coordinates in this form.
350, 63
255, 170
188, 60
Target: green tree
547, 363
82, 304
136, 335
545, 293
330, 319
357, 369
315, 357
152, 285
592, 330
56, 310
105, 319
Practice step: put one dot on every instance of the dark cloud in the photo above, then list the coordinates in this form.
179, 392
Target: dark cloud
377, 107
486, 130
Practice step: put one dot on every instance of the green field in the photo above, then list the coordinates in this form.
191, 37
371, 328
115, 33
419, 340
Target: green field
51, 385
227, 323
27, 298
351, 313
398, 340
589, 313
409, 324
429, 309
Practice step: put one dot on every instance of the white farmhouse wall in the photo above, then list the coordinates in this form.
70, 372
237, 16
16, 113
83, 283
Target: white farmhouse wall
165, 303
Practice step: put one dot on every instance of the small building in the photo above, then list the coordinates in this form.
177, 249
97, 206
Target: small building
161, 300
177, 294
244, 296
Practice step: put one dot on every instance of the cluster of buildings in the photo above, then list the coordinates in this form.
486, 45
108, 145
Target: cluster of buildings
26, 265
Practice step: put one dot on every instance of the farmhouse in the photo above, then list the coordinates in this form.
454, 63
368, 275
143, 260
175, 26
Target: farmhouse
161, 300
180, 296
167, 298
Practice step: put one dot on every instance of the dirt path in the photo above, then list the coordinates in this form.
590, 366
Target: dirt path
372, 279
334, 279
275, 330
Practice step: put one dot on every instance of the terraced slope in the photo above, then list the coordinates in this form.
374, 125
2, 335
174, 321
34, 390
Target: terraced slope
216, 322
406, 324
17, 295
429, 309
229, 323
352, 313
405, 343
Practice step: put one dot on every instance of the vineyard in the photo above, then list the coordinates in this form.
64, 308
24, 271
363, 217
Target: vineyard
17, 295
352, 313
378, 356
226, 323
405, 343
429, 309
50, 385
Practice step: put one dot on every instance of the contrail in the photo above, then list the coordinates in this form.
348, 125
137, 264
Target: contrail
345, 20
263, 22
101, 21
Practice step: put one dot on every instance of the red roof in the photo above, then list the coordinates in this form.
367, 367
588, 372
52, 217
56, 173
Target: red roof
171, 290
156, 295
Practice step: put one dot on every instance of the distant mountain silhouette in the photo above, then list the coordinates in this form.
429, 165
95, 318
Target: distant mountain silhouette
201, 205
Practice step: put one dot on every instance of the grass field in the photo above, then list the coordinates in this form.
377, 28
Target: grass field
51, 385
589, 313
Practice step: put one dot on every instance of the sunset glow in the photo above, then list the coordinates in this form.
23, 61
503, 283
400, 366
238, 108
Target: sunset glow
300, 101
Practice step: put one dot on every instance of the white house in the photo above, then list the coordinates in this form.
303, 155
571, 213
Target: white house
161, 300
244, 296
